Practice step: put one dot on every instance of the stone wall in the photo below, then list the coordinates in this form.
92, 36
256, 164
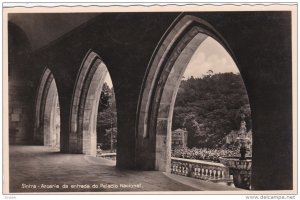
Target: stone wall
21, 118
20, 121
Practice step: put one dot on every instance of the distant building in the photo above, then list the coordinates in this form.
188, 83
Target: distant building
179, 138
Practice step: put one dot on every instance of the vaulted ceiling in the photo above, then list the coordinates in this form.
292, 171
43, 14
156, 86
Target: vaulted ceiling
43, 28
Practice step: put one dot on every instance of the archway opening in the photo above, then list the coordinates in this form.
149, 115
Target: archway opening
47, 123
93, 104
107, 122
211, 113
160, 87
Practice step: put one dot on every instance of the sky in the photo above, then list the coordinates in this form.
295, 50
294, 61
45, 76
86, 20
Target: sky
210, 55
108, 80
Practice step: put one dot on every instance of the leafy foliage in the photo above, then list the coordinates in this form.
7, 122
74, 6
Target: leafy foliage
210, 107
104, 98
107, 116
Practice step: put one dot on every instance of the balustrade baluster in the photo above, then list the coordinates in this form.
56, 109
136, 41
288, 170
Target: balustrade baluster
219, 174
195, 171
186, 171
206, 172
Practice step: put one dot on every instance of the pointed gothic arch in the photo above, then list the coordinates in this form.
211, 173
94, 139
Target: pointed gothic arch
47, 114
160, 86
84, 111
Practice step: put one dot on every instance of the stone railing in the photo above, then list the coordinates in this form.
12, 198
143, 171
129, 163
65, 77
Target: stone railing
110, 156
199, 169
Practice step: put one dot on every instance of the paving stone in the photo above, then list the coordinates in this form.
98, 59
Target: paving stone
38, 165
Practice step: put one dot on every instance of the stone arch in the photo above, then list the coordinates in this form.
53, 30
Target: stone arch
47, 112
160, 86
85, 102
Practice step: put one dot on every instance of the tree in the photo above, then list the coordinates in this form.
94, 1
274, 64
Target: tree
210, 108
107, 115
104, 98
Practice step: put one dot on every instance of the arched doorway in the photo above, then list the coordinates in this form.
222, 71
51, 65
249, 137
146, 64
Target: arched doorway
91, 79
160, 87
211, 118
211, 103
47, 123
107, 122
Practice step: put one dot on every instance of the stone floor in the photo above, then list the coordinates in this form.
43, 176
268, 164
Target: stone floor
42, 169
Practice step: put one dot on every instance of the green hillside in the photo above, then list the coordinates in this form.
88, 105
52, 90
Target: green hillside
210, 108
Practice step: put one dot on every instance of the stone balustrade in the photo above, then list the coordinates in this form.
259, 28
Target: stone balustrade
192, 168
199, 169
110, 156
